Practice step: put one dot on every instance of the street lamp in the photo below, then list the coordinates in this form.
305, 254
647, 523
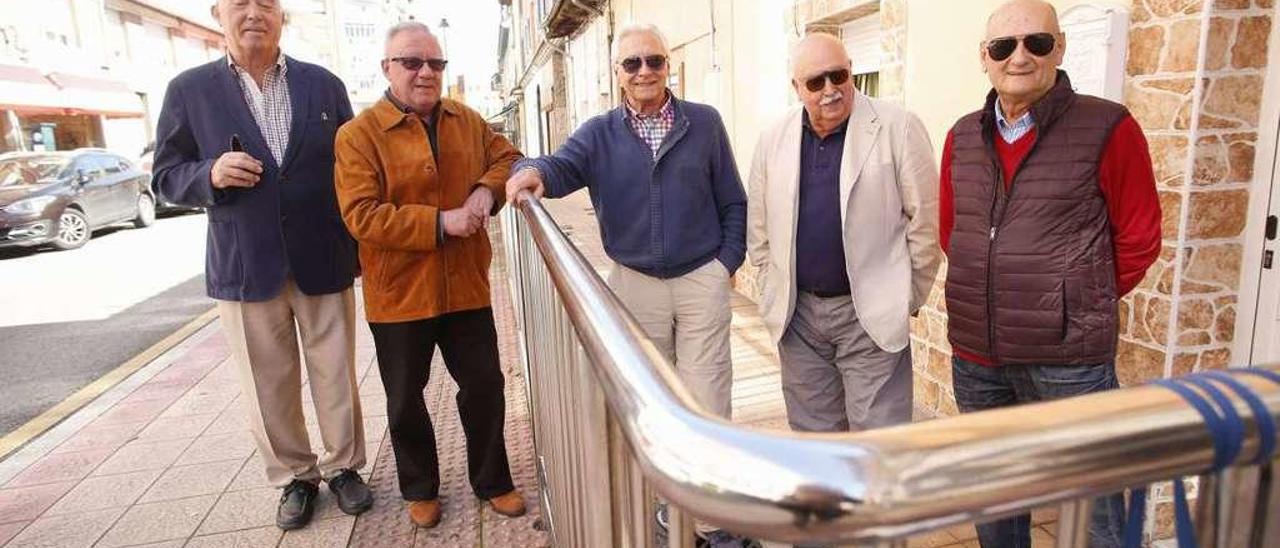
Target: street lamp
444, 35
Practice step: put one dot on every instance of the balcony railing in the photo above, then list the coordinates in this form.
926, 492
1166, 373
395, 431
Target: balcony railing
614, 428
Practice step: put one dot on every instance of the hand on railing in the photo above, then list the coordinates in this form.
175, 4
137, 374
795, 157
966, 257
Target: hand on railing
527, 179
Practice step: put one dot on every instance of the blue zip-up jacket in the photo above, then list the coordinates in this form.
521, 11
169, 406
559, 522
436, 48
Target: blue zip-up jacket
663, 217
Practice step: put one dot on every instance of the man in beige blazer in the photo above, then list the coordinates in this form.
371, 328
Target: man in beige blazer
841, 223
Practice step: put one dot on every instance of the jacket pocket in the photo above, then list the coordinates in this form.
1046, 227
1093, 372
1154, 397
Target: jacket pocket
225, 268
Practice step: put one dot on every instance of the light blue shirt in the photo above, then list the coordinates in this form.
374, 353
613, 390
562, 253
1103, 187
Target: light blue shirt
1012, 132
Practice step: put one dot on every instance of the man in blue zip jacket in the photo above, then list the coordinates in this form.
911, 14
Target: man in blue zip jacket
672, 214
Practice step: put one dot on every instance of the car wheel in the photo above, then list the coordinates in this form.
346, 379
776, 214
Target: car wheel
146, 211
73, 230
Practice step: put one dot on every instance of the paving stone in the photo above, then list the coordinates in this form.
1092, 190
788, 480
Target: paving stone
100, 492
27, 503
103, 437
261, 537
67, 531
60, 467
175, 519
163, 429
321, 533
252, 475
242, 510
10, 530
137, 456
182, 482
237, 446
201, 401
125, 412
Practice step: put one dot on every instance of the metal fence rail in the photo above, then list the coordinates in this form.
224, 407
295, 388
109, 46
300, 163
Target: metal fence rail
613, 426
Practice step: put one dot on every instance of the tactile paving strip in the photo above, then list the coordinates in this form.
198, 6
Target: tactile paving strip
466, 521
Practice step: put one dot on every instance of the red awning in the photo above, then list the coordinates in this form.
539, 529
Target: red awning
28, 91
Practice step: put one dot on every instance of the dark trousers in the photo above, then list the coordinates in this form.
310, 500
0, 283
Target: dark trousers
980, 387
469, 344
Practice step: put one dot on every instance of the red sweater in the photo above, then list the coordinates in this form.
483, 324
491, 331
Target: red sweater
1128, 186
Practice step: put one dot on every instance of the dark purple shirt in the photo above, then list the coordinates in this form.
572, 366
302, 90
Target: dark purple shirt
819, 235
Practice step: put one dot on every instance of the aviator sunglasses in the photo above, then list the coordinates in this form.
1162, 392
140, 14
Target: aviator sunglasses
415, 63
837, 77
1039, 44
632, 64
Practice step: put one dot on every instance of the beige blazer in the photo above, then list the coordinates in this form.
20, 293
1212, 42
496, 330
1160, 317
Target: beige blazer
889, 188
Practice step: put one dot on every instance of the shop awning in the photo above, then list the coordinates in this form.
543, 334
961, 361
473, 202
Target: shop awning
28, 91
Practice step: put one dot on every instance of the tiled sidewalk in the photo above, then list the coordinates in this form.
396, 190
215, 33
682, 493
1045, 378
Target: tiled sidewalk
166, 459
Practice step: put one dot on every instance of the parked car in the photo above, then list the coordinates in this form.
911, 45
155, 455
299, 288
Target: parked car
60, 198
163, 205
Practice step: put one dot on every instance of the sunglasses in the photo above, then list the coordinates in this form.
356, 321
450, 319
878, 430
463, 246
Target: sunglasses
632, 64
1039, 44
415, 63
837, 77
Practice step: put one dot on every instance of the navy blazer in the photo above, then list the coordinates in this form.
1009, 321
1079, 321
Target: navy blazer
286, 225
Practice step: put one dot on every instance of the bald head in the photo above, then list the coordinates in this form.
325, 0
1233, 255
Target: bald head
1019, 17
816, 48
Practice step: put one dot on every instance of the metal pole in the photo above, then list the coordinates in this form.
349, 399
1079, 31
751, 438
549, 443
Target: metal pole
1073, 523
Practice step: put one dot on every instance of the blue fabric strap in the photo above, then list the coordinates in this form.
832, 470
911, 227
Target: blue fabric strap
1182, 516
1264, 373
1211, 419
1137, 515
1266, 425
1232, 433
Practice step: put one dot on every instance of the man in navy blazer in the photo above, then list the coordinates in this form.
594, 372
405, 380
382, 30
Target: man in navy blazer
250, 137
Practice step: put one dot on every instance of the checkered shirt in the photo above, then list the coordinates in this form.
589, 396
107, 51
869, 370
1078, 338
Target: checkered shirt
653, 128
269, 104
1011, 132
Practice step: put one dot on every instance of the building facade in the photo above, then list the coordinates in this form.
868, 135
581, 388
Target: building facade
79, 73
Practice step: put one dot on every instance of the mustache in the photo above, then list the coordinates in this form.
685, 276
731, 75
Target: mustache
830, 98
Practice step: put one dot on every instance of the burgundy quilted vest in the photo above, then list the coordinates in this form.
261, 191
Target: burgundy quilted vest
1032, 275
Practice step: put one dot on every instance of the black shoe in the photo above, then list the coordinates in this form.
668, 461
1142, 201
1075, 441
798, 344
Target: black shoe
354, 496
296, 505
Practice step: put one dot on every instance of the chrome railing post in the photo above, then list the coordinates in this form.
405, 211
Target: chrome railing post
1073, 523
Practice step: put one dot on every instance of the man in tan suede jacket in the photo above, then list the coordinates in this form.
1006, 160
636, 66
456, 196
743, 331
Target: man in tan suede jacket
417, 177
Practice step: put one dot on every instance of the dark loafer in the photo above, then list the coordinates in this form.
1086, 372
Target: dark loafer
296, 505
353, 495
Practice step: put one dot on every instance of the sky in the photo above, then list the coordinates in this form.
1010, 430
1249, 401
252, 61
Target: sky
471, 39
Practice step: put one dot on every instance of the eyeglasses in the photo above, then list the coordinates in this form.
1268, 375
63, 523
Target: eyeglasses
632, 64
415, 63
1039, 44
837, 77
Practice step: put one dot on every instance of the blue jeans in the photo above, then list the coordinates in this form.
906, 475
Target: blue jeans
980, 387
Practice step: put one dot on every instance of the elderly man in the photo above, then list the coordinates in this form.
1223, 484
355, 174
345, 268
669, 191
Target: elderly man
671, 209
250, 137
1049, 215
841, 227
418, 177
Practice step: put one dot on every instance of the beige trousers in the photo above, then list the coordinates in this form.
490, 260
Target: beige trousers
264, 343
688, 319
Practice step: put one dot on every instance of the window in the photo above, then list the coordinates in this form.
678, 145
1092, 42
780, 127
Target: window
862, 40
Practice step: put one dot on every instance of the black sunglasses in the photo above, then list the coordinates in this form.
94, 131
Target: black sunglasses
837, 77
415, 63
1039, 44
632, 64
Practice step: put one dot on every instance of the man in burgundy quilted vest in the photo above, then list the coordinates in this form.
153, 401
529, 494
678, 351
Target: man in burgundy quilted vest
1048, 215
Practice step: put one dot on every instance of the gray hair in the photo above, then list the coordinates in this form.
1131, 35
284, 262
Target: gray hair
638, 28
407, 26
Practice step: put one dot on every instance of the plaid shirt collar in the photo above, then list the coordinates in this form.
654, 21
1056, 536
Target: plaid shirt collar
281, 65
665, 114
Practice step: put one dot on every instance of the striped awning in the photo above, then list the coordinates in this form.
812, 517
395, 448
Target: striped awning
27, 90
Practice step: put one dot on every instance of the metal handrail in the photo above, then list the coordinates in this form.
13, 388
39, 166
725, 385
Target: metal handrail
875, 486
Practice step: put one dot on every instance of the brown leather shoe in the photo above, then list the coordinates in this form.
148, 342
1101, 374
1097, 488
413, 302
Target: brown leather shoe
510, 504
424, 513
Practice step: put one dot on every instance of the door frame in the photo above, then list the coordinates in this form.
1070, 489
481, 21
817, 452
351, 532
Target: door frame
1261, 199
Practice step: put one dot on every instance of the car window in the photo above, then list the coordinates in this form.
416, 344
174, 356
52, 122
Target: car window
109, 164
89, 166
26, 170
